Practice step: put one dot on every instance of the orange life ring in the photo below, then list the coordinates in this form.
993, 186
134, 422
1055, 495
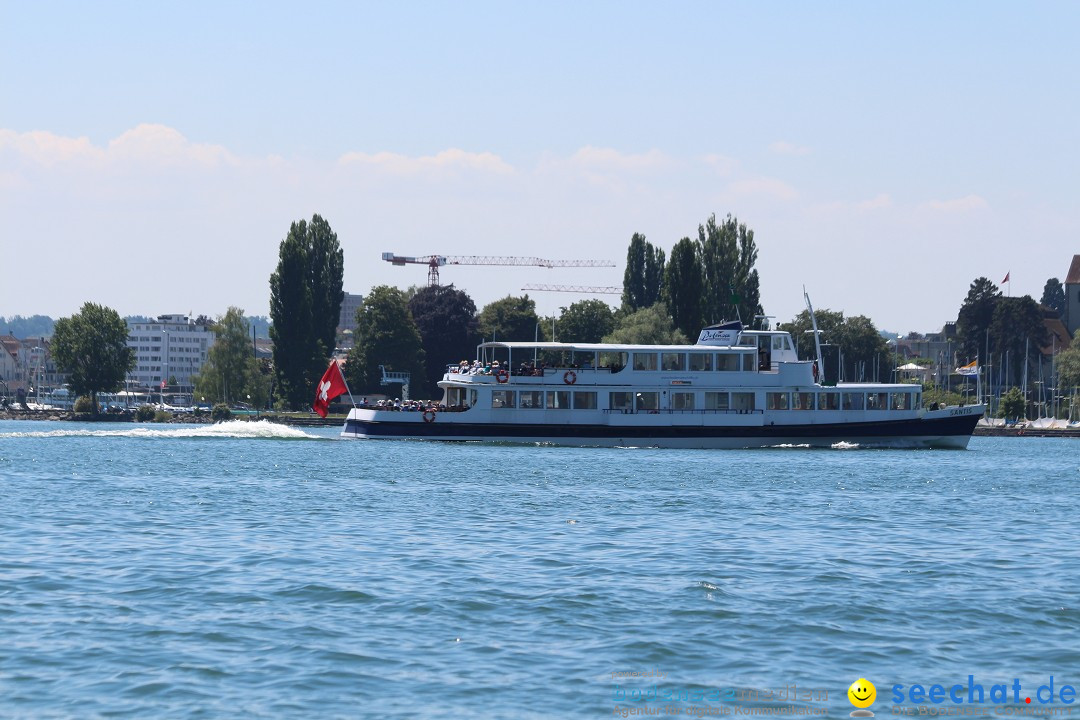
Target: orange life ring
501, 375
429, 416
569, 377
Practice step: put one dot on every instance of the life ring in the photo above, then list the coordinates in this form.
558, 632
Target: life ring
814, 369
501, 375
569, 377
429, 416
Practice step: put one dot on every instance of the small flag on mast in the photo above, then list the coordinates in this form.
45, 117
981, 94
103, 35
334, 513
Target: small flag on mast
330, 386
971, 369
1006, 277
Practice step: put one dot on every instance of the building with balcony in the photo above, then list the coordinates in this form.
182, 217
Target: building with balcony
170, 349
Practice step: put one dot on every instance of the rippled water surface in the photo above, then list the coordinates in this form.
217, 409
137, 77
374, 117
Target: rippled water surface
249, 570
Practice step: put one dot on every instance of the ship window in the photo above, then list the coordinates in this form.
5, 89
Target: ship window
716, 401
802, 401
558, 399
533, 399
682, 401
673, 361
829, 401
853, 401
778, 342
742, 401
584, 401
918, 401
900, 401
502, 398
620, 400
747, 362
648, 400
644, 361
700, 362
777, 401
727, 362
615, 361
877, 401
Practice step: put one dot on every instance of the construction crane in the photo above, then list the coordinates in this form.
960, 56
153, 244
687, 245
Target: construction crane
584, 289
434, 262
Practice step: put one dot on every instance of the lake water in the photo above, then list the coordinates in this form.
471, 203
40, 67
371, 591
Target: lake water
256, 571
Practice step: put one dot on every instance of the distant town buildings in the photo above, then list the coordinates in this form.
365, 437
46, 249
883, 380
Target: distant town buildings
172, 349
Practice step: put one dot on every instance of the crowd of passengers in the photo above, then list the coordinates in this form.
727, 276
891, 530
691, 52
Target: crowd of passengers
411, 405
525, 369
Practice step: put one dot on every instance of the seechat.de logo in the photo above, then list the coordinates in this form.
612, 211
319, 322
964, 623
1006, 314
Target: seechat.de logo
862, 694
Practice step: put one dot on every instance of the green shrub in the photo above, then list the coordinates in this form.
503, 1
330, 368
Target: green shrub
161, 416
221, 413
83, 404
145, 413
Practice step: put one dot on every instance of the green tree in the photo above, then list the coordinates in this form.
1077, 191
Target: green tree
91, 345
863, 353
1012, 405
446, 319
643, 278
1067, 365
648, 326
1017, 326
683, 287
586, 321
511, 319
975, 317
385, 335
231, 371
1053, 296
731, 287
305, 303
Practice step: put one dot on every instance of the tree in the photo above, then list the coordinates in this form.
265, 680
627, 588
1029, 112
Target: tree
648, 326
1068, 366
305, 303
231, 371
1017, 326
1053, 296
587, 321
1012, 406
92, 346
643, 278
731, 287
510, 319
975, 316
863, 352
385, 335
446, 319
683, 287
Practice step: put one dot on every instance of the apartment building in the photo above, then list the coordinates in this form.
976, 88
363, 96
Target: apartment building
172, 348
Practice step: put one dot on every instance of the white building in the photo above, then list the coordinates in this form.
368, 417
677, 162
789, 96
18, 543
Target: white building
172, 348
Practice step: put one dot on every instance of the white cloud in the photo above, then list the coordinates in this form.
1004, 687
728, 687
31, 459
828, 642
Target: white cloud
609, 160
967, 203
160, 144
770, 187
45, 148
452, 159
782, 147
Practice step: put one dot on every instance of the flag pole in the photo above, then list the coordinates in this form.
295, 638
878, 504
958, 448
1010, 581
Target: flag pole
351, 398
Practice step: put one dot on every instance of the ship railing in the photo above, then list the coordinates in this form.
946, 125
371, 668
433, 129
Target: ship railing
673, 411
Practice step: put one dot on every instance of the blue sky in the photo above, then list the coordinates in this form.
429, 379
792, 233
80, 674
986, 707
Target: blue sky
152, 155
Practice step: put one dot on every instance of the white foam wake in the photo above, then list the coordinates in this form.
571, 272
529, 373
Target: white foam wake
261, 429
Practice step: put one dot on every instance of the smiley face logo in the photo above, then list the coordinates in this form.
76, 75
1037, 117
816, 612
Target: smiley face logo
862, 694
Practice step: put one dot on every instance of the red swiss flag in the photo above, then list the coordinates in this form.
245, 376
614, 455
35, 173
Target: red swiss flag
331, 385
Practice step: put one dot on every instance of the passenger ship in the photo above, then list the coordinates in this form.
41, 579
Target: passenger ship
734, 388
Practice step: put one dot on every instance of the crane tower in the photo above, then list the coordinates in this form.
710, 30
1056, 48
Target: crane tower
434, 262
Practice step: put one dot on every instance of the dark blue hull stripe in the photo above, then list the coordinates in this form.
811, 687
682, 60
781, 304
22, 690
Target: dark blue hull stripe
950, 426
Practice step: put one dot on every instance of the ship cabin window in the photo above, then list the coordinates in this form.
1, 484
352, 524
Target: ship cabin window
455, 397
900, 400
829, 401
852, 401
877, 401
742, 401
621, 401
918, 401
717, 401
682, 401
531, 399
647, 401
673, 361
748, 362
781, 342
502, 398
644, 361
802, 401
777, 400
474, 395
558, 399
583, 359
727, 362
700, 362
614, 361
584, 401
